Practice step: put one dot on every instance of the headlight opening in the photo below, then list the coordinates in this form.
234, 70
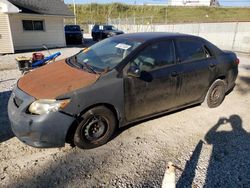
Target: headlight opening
45, 106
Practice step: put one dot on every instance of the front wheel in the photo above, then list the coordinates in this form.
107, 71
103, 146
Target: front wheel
96, 128
215, 94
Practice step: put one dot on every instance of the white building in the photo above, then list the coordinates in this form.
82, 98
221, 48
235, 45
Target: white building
28, 24
193, 2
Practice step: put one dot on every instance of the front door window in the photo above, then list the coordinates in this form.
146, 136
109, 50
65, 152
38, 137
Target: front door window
155, 56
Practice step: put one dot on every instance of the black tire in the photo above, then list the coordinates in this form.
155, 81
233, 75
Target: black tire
215, 94
96, 128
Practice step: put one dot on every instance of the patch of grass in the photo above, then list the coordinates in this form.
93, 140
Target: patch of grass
101, 13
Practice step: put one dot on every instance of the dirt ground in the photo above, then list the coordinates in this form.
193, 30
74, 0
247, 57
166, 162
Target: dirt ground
212, 146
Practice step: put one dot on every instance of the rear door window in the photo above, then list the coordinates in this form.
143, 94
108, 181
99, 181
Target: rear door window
72, 28
190, 50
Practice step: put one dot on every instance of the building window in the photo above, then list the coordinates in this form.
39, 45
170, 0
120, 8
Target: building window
33, 25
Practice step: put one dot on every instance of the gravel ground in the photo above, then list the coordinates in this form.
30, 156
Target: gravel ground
212, 146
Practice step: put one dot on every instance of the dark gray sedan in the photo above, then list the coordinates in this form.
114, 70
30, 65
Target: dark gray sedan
120, 80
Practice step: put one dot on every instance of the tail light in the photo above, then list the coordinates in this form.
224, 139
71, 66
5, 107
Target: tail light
237, 61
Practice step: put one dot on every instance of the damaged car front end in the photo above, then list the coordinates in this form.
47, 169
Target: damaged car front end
41, 129
47, 102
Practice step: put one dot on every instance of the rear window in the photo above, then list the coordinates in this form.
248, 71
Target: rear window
72, 28
107, 27
189, 50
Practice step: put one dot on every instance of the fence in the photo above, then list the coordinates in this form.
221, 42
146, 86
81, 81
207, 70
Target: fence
133, 21
228, 35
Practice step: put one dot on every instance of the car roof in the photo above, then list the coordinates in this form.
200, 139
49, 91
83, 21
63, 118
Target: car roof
103, 25
152, 35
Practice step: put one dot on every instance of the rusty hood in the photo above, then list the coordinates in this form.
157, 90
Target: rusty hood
53, 80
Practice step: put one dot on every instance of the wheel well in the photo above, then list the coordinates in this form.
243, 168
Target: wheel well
71, 131
222, 77
218, 78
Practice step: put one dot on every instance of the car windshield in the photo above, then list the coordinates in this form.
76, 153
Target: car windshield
104, 55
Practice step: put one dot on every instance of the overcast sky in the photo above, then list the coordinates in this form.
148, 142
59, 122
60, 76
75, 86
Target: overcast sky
222, 2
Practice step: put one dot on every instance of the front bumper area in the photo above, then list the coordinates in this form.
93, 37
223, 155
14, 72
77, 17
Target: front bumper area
42, 131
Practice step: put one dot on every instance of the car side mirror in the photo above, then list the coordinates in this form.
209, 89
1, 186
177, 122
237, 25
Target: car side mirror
134, 71
82, 30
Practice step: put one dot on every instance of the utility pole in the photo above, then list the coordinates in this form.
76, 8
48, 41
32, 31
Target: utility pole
74, 4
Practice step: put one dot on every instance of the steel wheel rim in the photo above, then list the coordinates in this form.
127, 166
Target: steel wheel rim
216, 95
95, 128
